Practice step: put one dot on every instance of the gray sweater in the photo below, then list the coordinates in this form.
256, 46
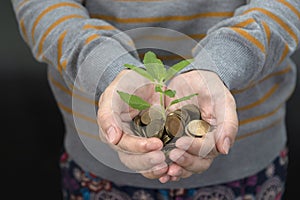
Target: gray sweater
248, 44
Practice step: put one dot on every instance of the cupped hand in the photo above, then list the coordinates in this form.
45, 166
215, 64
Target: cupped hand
218, 108
140, 154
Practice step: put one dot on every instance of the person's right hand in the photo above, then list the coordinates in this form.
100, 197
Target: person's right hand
218, 108
140, 154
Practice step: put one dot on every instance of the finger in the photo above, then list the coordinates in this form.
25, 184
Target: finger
132, 143
174, 178
190, 162
178, 171
156, 172
164, 178
200, 147
142, 162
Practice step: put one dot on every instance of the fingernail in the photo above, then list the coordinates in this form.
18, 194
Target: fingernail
164, 179
226, 145
111, 133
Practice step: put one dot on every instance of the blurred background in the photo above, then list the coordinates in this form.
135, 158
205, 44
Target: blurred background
32, 126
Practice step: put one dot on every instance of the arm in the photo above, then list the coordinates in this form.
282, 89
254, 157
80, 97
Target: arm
61, 33
252, 43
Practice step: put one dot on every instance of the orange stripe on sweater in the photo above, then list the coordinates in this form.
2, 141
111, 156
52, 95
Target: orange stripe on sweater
240, 137
91, 38
47, 10
250, 38
76, 114
162, 18
284, 53
245, 23
21, 4
261, 100
267, 31
50, 28
69, 92
60, 50
23, 30
278, 20
260, 117
291, 7
103, 27
278, 73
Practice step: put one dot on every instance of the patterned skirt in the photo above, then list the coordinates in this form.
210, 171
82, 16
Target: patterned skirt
269, 184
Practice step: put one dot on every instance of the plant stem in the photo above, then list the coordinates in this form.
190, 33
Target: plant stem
162, 105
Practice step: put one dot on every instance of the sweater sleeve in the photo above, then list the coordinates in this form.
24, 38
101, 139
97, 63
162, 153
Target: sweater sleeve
251, 44
62, 34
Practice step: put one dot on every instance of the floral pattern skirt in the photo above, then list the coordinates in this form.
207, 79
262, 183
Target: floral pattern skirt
267, 184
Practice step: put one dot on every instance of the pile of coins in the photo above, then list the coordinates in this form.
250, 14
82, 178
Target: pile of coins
184, 121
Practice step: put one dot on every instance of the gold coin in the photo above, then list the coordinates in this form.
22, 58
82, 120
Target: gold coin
166, 139
183, 115
174, 126
197, 128
145, 117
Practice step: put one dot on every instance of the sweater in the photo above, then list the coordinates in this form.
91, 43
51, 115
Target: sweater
85, 44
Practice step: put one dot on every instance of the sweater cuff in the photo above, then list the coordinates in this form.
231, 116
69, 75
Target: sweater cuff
102, 65
231, 59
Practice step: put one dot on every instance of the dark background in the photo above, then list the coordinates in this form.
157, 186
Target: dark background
32, 128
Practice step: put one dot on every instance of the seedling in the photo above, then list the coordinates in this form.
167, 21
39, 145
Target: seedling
156, 72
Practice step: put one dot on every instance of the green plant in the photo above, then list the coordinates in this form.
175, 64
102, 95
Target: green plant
156, 72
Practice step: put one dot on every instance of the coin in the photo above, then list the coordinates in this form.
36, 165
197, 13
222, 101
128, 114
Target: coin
166, 150
136, 125
192, 110
166, 139
197, 128
155, 128
155, 112
145, 117
183, 115
174, 126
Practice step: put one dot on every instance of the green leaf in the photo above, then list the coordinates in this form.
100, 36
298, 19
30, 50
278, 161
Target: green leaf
154, 66
176, 68
158, 89
170, 93
140, 71
183, 99
134, 101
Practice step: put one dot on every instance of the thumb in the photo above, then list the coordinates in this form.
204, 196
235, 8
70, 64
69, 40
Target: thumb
108, 121
227, 128
225, 136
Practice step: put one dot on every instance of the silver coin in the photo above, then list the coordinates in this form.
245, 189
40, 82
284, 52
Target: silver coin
155, 128
192, 110
197, 128
167, 149
155, 112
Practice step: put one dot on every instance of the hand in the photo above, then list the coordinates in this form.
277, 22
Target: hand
137, 153
218, 108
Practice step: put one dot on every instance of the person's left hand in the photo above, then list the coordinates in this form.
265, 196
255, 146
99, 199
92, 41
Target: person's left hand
218, 108
140, 154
